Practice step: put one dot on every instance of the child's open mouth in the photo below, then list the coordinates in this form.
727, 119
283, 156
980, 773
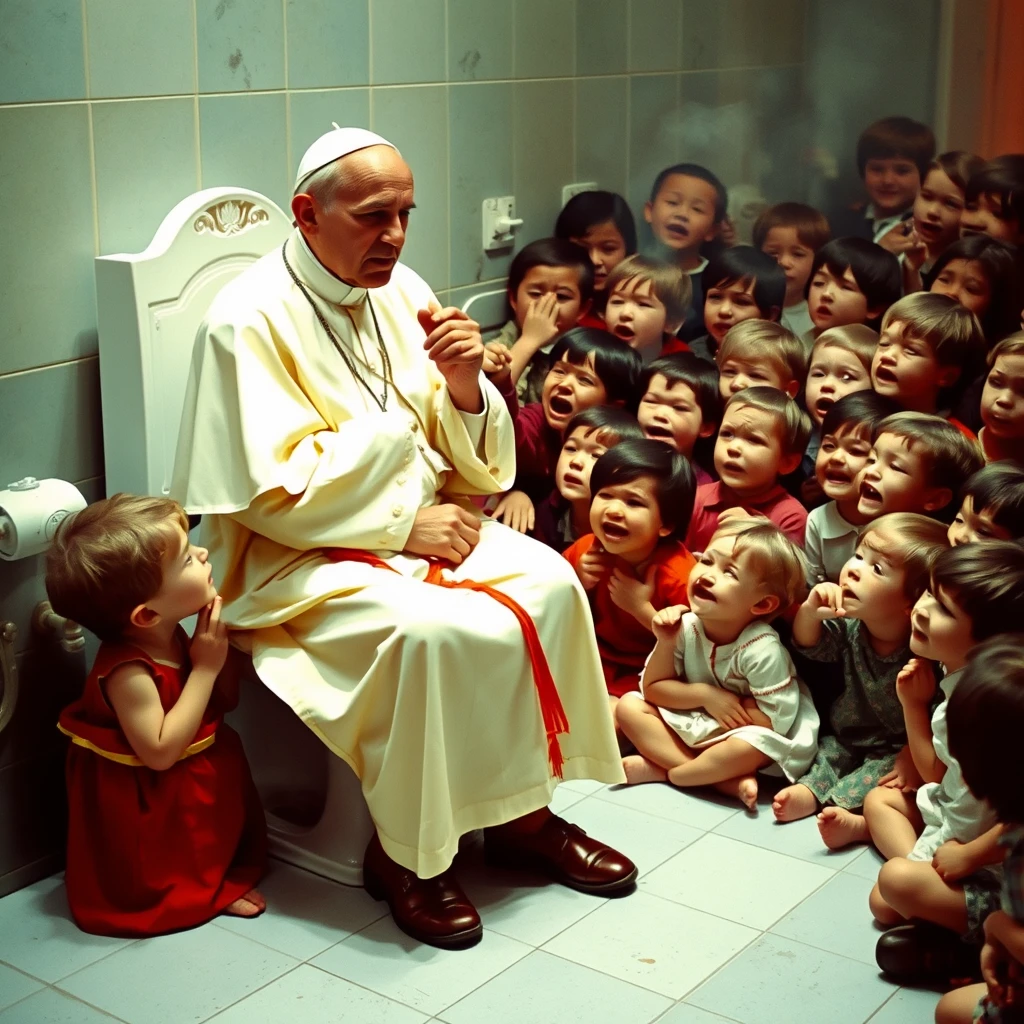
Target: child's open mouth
870, 494
822, 310
732, 467
571, 480
560, 406
655, 433
703, 593
848, 594
928, 229
677, 232
883, 373
837, 477
918, 636
614, 531
822, 406
624, 333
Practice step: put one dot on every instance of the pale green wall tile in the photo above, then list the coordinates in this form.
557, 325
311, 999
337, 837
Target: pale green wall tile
416, 121
311, 114
408, 41
740, 33
142, 48
242, 142
601, 34
46, 279
545, 38
145, 163
328, 43
602, 108
42, 51
479, 39
654, 35
240, 44
654, 133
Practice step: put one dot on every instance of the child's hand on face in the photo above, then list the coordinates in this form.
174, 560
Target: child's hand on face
665, 623
951, 863
915, 683
209, 647
497, 364
593, 566
629, 593
826, 601
540, 325
515, 510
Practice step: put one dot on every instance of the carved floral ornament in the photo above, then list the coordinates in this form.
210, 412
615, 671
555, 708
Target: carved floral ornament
230, 217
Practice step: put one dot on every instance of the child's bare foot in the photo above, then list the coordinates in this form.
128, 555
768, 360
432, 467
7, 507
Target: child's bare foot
794, 802
746, 790
840, 827
252, 904
638, 769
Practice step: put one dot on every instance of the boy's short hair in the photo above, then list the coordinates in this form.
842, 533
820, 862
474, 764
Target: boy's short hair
812, 227
958, 165
586, 210
864, 408
1003, 179
695, 171
1004, 271
986, 582
876, 271
985, 721
794, 425
553, 252
781, 565
998, 489
742, 264
919, 541
669, 284
894, 137
615, 362
950, 330
948, 456
700, 376
674, 483
109, 558
857, 339
765, 341
1011, 345
611, 424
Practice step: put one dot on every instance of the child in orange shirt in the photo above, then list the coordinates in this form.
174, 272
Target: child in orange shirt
165, 826
634, 563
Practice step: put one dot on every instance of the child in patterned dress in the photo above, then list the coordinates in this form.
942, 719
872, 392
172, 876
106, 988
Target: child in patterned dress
720, 697
863, 623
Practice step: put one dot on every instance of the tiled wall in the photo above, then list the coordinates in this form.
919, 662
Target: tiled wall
111, 111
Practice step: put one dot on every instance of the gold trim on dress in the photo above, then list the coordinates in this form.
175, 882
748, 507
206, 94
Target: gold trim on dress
133, 760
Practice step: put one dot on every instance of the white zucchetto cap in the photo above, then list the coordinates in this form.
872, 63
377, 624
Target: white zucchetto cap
334, 145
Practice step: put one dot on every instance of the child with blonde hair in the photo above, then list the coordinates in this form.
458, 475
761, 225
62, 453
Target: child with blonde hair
862, 623
720, 699
761, 353
165, 828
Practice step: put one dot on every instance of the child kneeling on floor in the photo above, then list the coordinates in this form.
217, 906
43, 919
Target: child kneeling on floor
165, 826
720, 697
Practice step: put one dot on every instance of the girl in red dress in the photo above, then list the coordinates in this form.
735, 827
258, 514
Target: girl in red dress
165, 827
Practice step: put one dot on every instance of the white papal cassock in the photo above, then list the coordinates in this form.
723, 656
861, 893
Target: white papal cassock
425, 691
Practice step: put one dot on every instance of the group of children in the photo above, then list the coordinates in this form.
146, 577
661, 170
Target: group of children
762, 463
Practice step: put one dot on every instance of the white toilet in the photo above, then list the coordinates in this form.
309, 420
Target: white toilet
149, 306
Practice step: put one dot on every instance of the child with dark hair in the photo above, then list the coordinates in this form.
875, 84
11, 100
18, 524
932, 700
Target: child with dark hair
987, 277
720, 697
995, 200
992, 507
893, 155
852, 281
940, 841
680, 405
564, 515
930, 349
986, 721
602, 223
550, 286
634, 563
832, 528
762, 437
862, 622
739, 283
588, 367
791, 233
1002, 402
686, 211
645, 302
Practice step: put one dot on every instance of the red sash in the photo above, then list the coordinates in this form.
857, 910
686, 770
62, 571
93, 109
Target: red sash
551, 709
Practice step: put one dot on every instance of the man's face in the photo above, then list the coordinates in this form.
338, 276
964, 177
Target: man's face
360, 233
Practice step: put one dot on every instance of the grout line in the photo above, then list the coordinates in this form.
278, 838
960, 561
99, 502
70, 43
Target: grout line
93, 185
197, 134
260, 988
48, 366
287, 105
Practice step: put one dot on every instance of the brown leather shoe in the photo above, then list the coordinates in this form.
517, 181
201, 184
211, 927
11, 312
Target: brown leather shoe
431, 910
565, 853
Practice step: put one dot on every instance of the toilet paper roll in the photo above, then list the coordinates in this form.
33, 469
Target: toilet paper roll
30, 512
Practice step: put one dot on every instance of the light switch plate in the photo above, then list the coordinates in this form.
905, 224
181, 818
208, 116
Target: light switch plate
499, 223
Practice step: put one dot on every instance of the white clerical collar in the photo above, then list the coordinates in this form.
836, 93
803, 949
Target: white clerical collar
314, 274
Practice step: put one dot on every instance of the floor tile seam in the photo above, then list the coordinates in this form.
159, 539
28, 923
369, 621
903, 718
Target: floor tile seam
681, 1002
369, 924
266, 984
85, 1002
92, 963
597, 906
529, 951
768, 849
613, 977
365, 988
799, 903
21, 970
665, 817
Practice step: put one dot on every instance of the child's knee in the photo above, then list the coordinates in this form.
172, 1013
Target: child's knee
899, 881
880, 910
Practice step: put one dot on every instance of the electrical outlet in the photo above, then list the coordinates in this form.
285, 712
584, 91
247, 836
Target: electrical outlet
568, 191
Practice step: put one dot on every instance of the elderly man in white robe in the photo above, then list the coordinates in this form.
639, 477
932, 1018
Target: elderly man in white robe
336, 425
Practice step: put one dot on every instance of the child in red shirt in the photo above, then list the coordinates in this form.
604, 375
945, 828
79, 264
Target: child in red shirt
634, 563
165, 826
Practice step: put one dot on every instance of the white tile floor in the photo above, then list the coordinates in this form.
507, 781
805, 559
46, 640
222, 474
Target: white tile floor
736, 919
